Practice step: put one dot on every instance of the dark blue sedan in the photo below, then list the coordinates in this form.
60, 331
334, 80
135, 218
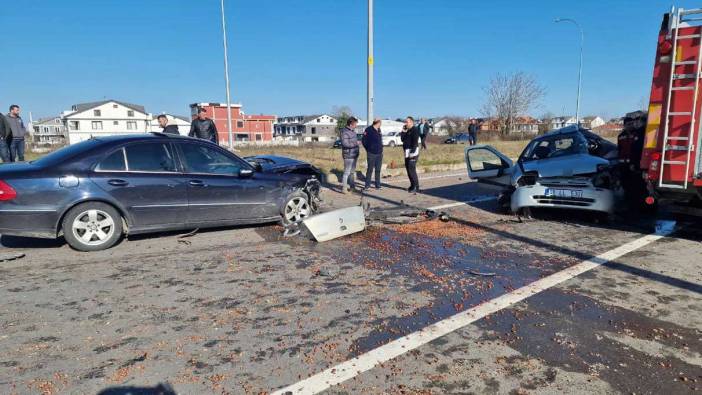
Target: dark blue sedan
96, 191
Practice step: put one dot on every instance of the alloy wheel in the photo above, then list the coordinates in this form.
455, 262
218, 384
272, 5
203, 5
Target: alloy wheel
93, 227
297, 209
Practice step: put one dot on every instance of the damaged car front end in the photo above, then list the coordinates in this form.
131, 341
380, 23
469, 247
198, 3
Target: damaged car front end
567, 168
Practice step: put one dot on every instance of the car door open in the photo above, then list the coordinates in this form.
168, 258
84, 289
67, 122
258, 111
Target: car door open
487, 164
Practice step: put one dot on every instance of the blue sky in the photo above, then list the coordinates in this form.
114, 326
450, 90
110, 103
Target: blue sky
306, 56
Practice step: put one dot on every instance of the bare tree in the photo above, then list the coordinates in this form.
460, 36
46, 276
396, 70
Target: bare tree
509, 96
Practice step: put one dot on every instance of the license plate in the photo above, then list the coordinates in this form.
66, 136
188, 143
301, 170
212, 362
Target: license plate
564, 193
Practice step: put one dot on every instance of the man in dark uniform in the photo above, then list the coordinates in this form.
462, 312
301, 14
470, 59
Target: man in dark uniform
203, 127
410, 145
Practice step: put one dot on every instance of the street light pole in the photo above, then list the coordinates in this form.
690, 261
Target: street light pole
226, 79
580, 67
370, 63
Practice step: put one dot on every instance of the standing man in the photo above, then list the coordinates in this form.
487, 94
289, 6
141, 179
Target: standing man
5, 137
410, 145
203, 127
424, 131
349, 152
373, 143
19, 132
168, 129
473, 132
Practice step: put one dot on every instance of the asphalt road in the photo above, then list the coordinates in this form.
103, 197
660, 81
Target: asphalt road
245, 310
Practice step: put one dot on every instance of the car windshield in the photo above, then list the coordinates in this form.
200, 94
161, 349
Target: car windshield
65, 153
554, 146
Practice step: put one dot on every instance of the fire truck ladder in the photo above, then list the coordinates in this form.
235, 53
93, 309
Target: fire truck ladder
676, 20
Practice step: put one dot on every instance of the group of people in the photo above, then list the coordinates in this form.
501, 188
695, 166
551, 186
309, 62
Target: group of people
413, 136
12, 135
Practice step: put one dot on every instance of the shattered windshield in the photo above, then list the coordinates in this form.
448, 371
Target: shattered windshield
554, 146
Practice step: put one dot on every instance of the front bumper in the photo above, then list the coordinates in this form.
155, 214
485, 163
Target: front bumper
579, 197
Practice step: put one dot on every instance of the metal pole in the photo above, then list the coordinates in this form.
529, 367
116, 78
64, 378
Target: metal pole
370, 63
226, 79
580, 67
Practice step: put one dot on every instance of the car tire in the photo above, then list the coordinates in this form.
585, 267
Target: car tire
295, 208
392, 144
92, 226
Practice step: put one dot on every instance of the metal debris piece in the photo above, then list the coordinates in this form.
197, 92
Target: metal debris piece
402, 215
477, 273
336, 223
189, 234
11, 256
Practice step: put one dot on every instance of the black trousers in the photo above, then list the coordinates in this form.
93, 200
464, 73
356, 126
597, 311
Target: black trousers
411, 167
375, 163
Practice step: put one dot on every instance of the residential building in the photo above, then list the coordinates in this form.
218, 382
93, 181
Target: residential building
245, 128
561, 122
182, 122
308, 128
104, 118
526, 124
390, 126
592, 122
49, 131
449, 125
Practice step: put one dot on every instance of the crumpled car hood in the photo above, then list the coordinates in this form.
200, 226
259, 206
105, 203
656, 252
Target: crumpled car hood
565, 166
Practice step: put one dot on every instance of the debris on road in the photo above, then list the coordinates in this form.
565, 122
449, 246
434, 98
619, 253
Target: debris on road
485, 274
11, 256
336, 223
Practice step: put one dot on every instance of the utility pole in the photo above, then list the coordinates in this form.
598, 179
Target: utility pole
226, 79
580, 67
370, 63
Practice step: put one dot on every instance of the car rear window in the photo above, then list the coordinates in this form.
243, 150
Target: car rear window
152, 157
114, 162
65, 153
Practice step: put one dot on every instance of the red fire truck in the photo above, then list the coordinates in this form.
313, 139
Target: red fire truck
671, 158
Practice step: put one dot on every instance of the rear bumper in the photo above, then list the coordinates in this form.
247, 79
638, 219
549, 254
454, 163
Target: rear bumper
592, 199
28, 223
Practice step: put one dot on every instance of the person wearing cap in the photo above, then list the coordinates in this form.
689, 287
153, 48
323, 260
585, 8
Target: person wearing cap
168, 129
203, 127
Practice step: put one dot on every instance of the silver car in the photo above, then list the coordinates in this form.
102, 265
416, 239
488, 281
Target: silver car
566, 168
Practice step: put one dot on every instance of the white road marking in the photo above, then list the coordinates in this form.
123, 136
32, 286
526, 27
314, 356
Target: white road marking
429, 178
352, 368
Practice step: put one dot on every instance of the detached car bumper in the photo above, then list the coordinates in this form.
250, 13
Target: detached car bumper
561, 196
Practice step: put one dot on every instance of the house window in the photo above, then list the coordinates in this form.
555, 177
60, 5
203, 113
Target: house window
130, 113
319, 120
97, 125
259, 137
97, 113
131, 125
314, 130
115, 123
73, 125
239, 124
46, 129
242, 137
114, 106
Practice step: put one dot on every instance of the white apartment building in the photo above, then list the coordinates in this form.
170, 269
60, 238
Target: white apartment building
49, 131
105, 118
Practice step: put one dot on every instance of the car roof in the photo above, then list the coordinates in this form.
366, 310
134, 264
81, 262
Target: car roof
138, 136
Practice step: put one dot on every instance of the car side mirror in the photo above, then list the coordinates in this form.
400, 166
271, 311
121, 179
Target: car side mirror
246, 173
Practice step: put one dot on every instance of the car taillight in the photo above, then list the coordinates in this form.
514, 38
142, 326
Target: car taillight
6, 191
655, 159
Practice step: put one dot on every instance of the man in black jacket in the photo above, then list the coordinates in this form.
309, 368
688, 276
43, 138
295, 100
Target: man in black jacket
373, 143
5, 137
410, 145
203, 127
168, 129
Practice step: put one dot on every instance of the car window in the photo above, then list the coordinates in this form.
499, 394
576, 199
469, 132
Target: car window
483, 159
113, 162
155, 157
207, 160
